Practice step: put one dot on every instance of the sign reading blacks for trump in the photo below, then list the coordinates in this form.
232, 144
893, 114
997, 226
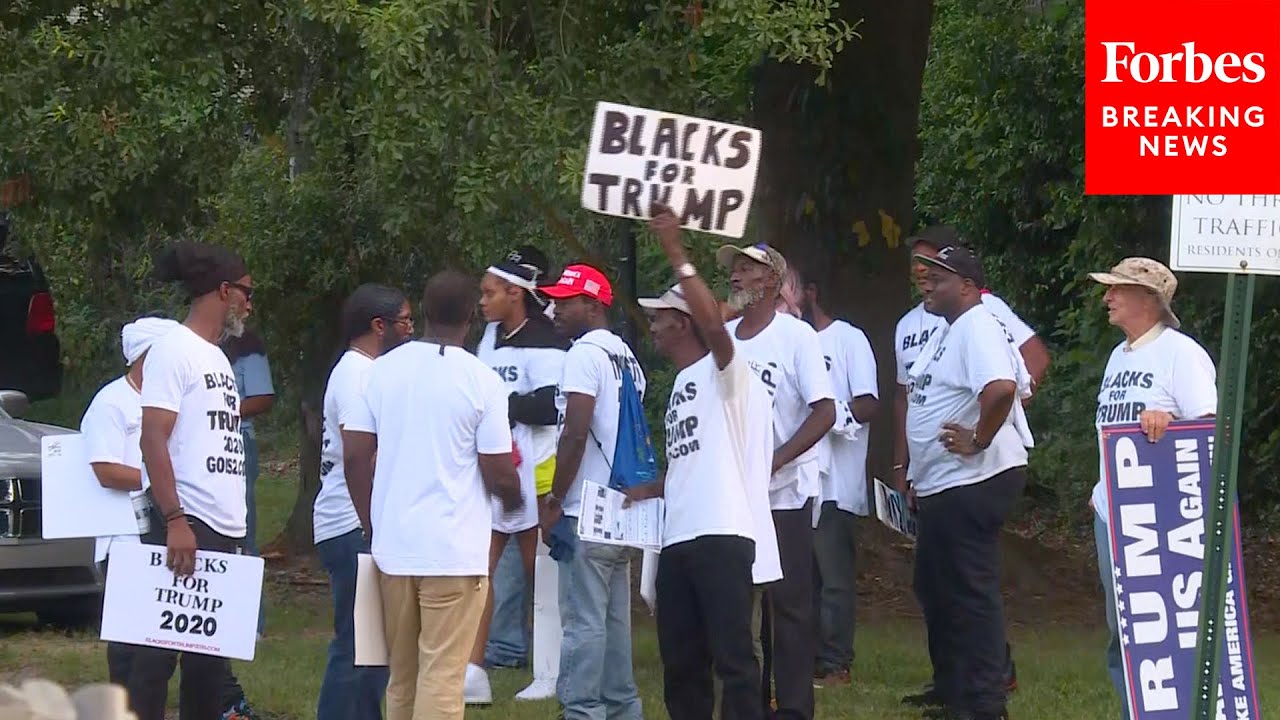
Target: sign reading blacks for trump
703, 169
1158, 493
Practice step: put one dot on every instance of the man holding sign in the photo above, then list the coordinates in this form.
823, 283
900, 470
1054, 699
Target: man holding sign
194, 458
1155, 376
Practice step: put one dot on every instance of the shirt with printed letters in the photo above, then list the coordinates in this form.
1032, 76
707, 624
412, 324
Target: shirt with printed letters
532, 358
719, 433
944, 388
787, 357
333, 514
190, 376
1164, 370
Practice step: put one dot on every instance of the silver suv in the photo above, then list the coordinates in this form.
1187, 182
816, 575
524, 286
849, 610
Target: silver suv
57, 579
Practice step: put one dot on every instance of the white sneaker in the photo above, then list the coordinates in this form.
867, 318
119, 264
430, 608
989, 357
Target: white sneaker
476, 690
542, 688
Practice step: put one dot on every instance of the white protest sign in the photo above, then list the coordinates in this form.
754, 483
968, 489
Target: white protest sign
703, 169
1226, 233
893, 510
371, 639
212, 612
73, 504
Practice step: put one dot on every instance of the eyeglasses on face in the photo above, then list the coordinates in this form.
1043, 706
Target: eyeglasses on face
246, 289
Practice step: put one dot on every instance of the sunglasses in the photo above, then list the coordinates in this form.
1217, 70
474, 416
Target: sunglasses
246, 289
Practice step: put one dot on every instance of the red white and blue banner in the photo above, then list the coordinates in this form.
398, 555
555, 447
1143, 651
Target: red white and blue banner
1157, 495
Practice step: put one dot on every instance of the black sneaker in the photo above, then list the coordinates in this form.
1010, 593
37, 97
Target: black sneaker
929, 698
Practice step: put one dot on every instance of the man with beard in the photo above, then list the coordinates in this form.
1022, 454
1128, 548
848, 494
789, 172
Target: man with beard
968, 446
190, 417
521, 344
852, 367
787, 356
596, 680
910, 336
375, 319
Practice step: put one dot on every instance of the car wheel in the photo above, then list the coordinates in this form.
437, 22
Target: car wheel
77, 613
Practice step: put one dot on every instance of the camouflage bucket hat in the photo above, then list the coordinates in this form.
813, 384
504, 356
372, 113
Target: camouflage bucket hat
1147, 273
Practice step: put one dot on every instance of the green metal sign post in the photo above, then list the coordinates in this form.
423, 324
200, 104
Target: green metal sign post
1219, 518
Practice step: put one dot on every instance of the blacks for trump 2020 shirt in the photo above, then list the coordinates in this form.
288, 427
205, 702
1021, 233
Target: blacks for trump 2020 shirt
190, 376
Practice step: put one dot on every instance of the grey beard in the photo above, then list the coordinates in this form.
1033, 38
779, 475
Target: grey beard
740, 300
233, 326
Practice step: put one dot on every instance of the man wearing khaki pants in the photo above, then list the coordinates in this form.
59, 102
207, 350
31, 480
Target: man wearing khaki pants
436, 417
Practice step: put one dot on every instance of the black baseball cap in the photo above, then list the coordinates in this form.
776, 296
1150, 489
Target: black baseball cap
959, 260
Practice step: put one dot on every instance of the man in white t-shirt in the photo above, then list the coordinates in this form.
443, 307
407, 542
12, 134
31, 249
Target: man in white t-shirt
596, 679
375, 319
968, 448
112, 429
717, 418
192, 451
852, 367
436, 418
1157, 375
910, 337
786, 354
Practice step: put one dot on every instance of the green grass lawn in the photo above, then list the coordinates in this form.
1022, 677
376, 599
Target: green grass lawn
1059, 668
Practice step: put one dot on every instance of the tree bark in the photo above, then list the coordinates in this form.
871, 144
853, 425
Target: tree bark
837, 181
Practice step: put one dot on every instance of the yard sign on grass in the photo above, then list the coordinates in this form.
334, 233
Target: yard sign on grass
1235, 234
704, 170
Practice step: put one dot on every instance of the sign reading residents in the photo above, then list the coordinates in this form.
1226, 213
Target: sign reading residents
1158, 493
704, 170
212, 612
1226, 233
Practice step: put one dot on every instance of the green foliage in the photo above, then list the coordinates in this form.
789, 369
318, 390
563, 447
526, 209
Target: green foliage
1002, 128
337, 141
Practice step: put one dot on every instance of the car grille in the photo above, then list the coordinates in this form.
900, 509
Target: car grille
20, 508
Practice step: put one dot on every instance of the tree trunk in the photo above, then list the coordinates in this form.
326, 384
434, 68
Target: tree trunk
838, 175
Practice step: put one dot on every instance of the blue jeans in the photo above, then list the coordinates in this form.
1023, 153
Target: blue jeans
1115, 664
347, 692
596, 682
509, 631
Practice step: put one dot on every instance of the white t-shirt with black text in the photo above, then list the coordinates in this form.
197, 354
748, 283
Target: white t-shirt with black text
593, 366
1165, 371
914, 329
190, 376
944, 387
333, 514
852, 367
434, 410
112, 430
787, 356
716, 482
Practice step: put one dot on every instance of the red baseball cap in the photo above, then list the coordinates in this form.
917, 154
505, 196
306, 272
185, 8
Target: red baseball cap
581, 280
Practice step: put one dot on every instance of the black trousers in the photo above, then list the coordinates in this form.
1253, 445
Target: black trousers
957, 582
201, 689
119, 655
790, 624
704, 621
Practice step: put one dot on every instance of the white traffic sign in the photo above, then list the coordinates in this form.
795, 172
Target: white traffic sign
1226, 234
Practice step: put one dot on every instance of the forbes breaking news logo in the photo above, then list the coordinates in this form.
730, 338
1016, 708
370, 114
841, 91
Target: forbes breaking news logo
1178, 97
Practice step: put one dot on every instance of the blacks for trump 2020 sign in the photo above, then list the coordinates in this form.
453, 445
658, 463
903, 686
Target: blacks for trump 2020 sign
212, 612
703, 169
1157, 494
